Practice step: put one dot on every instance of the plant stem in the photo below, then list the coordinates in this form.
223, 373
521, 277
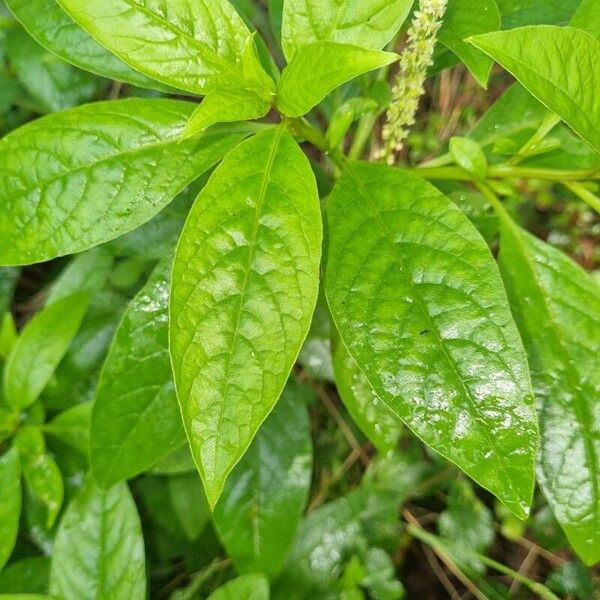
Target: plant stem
584, 194
547, 125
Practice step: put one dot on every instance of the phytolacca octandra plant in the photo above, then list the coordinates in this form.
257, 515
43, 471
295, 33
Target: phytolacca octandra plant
414, 292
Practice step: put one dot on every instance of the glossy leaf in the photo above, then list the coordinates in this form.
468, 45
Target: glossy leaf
517, 13
245, 284
99, 549
10, 503
560, 66
380, 425
85, 176
410, 284
226, 106
469, 155
249, 587
265, 495
193, 45
40, 348
136, 419
54, 29
53, 84
72, 427
557, 307
369, 24
42, 474
464, 18
318, 69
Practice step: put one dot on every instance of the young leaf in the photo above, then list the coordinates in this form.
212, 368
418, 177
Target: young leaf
42, 474
429, 293
265, 495
226, 106
99, 548
369, 24
192, 45
245, 284
318, 69
79, 178
52, 27
249, 587
72, 427
464, 18
380, 425
10, 503
52, 83
40, 348
136, 419
560, 66
557, 307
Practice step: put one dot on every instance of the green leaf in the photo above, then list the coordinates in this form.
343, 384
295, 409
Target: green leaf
226, 106
467, 524
587, 17
72, 427
86, 273
560, 66
380, 425
28, 575
429, 293
52, 27
557, 307
82, 177
245, 284
517, 13
99, 548
464, 18
10, 503
136, 419
369, 24
40, 347
249, 587
469, 155
192, 45
318, 69
8, 282
52, 83
572, 579
189, 503
42, 474
259, 511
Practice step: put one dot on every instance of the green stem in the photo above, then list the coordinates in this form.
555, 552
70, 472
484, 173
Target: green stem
435, 542
584, 194
529, 148
304, 130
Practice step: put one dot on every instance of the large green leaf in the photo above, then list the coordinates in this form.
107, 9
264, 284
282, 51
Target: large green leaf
557, 308
52, 83
99, 549
40, 348
52, 27
318, 69
27, 575
245, 284
369, 24
465, 18
249, 587
78, 178
418, 301
193, 45
10, 503
136, 419
380, 425
560, 66
260, 508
